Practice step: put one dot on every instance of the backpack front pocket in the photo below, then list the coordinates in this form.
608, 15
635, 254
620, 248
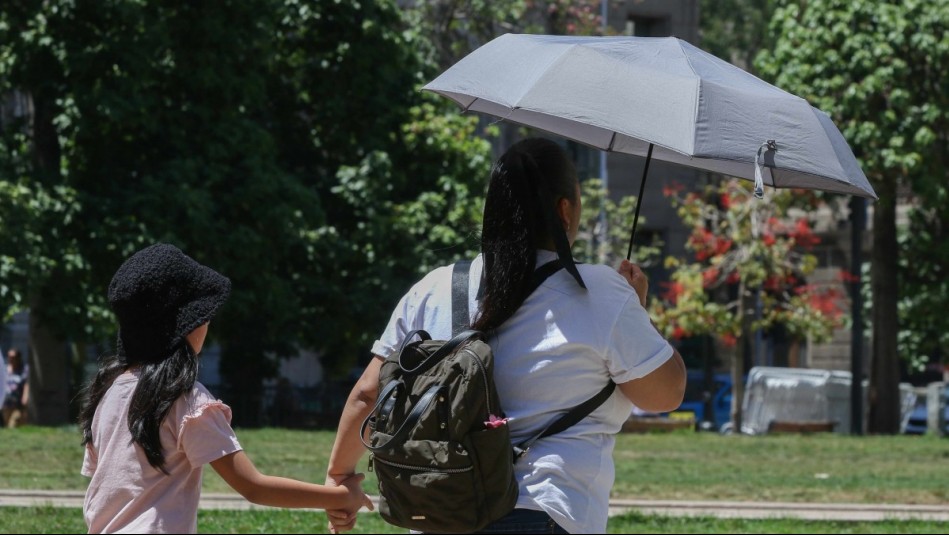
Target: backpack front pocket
427, 485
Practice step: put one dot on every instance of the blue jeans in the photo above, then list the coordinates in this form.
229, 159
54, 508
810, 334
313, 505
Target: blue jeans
524, 521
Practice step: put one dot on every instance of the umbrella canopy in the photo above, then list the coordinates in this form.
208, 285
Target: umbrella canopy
656, 97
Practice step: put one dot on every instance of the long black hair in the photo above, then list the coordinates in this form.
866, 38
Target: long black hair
160, 383
519, 217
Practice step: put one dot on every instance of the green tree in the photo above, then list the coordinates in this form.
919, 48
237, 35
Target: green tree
618, 219
413, 209
283, 142
924, 285
879, 69
42, 265
735, 30
450, 29
746, 250
399, 173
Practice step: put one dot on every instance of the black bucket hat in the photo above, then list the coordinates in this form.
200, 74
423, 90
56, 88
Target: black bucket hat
159, 296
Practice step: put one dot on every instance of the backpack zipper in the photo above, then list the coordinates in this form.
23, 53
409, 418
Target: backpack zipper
422, 468
484, 375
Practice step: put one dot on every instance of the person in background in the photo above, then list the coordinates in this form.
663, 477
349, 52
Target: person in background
17, 390
3, 383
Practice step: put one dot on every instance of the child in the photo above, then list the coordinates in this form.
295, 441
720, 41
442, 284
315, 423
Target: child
148, 425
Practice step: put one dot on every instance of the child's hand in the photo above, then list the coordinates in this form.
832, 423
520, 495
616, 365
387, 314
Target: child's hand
358, 498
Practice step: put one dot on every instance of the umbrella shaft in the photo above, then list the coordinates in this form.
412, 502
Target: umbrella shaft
639, 201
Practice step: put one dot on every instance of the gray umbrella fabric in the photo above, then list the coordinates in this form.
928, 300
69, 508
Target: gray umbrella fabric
641, 95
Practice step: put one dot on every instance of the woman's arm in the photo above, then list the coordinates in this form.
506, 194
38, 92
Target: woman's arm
660, 391
241, 474
348, 448
663, 389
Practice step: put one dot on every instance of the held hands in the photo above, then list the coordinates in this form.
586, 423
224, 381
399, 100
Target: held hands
345, 519
636, 278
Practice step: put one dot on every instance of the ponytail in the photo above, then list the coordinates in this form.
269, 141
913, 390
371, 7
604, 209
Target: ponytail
509, 238
520, 217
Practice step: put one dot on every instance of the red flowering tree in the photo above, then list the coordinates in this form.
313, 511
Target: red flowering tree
743, 246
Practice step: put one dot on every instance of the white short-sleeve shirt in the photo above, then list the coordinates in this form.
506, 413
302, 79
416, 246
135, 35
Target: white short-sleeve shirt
559, 349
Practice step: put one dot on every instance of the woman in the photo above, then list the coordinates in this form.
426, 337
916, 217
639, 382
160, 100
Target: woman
17, 390
554, 348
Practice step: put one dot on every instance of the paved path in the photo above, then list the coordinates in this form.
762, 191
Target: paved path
807, 511
719, 509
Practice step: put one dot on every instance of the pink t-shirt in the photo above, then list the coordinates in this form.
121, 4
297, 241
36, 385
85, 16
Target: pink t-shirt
128, 495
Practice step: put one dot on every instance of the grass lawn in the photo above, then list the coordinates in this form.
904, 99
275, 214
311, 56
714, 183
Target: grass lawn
783, 467
679, 465
61, 520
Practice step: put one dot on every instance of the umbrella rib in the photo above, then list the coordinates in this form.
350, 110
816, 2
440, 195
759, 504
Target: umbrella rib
698, 83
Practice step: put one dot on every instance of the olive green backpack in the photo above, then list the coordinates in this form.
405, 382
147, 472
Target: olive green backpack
440, 445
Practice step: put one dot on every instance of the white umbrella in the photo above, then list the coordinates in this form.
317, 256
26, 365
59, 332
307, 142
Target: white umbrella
659, 98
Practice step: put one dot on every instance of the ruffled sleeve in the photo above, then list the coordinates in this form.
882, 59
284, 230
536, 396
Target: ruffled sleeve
205, 433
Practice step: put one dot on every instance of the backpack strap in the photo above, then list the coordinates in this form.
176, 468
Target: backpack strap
572, 416
411, 420
422, 334
440, 353
543, 273
460, 317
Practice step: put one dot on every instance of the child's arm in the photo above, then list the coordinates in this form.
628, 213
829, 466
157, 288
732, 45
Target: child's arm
241, 474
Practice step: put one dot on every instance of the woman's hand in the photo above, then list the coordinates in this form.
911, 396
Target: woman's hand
341, 520
636, 278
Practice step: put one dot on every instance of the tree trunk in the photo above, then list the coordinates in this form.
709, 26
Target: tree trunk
49, 359
884, 415
49, 373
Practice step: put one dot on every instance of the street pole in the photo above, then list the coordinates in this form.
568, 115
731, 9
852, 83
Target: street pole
858, 219
604, 172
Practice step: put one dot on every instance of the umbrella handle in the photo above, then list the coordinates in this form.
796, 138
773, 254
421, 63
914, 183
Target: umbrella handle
639, 201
